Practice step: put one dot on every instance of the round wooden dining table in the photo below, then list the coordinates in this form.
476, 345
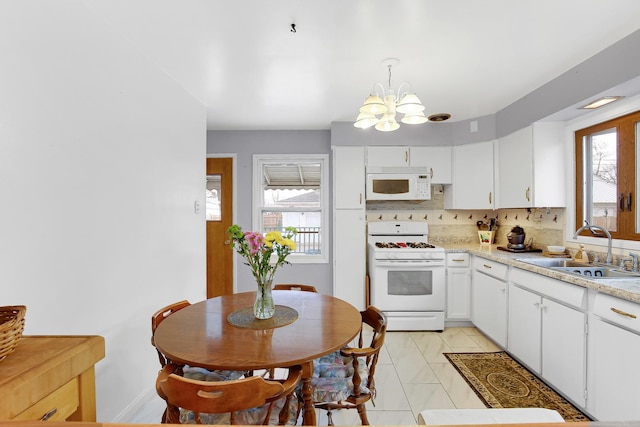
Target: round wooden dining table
201, 335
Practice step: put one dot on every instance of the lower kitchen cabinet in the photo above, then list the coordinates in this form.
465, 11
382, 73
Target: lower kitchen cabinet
546, 335
458, 287
614, 353
489, 299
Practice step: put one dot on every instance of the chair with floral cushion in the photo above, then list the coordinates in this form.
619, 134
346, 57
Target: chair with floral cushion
345, 379
246, 401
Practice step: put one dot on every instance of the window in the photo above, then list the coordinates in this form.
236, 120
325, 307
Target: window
292, 191
606, 179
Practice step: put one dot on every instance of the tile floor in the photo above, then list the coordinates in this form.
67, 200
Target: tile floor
412, 375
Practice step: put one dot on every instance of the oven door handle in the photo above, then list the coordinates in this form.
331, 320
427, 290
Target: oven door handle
412, 263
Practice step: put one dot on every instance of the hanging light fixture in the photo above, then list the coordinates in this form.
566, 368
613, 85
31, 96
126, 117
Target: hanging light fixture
381, 106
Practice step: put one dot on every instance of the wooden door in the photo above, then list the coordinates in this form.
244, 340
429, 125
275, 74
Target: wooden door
219, 219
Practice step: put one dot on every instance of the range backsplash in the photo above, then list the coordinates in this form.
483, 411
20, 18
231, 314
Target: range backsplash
545, 226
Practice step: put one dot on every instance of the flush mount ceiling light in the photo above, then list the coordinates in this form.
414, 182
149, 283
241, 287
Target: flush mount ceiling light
381, 106
601, 102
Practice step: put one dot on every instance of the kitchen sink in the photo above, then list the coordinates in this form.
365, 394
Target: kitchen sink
598, 272
589, 271
552, 262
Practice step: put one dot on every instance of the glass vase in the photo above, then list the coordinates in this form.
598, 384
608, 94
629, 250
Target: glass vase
264, 308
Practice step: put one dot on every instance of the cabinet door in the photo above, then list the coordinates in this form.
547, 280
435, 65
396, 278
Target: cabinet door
437, 159
387, 156
613, 372
349, 254
472, 177
458, 294
489, 306
515, 170
525, 327
348, 177
564, 349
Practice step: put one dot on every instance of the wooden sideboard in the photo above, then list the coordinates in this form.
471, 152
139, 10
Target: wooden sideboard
50, 377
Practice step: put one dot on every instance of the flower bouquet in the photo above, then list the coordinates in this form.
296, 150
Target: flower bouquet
257, 250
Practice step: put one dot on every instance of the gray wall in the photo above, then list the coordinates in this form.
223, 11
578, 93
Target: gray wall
247, 143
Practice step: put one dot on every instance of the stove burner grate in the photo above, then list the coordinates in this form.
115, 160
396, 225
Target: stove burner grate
400, 245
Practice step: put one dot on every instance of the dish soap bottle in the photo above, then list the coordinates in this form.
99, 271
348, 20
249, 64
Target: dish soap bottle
581, 256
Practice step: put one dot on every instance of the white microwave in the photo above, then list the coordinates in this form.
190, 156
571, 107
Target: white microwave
389, 183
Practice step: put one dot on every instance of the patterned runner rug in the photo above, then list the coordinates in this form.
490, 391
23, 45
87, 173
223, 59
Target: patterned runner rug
501, 382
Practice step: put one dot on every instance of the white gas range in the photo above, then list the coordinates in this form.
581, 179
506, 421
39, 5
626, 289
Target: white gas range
406, 275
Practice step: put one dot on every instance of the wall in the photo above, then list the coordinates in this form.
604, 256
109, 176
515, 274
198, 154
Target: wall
101, 159
247, 143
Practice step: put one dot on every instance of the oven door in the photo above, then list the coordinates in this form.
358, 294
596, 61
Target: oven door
408, 286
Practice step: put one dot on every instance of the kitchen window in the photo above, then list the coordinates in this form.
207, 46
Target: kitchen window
292, 191
606, 180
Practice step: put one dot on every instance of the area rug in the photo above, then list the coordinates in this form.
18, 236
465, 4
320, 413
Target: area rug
501, 382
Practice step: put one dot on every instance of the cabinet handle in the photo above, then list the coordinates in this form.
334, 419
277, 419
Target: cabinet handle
431, 169
458, 260
49, 414
406, 156
486, 266
623, 313
526, 194
360, 198
489, 197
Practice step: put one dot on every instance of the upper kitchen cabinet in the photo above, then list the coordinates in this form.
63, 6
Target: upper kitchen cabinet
472, 177
348, 177
392, 156
530, 169
436, 159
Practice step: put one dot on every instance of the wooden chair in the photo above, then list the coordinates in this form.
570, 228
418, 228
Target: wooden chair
158, 317
294, 287
345, 379
251, 400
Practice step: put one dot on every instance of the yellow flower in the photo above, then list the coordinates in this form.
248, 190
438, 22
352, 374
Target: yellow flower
272, 236
289, 243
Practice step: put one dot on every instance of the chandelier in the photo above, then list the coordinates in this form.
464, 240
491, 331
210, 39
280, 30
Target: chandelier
381, 106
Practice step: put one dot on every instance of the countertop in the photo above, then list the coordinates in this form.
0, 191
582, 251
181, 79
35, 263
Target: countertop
621, 288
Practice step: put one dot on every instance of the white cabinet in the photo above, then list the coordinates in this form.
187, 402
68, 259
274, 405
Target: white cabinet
437, 159
349, 255
348, 177
614, 349
547, 330
389, 156
458, 287
531, 168
472, 186
489, 299
349, 226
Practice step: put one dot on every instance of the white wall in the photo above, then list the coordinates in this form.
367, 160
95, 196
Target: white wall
101, 159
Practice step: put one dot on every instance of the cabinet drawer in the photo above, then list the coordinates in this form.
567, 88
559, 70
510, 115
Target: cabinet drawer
491, 268
566, 293
60, 404
459, 259
618, 311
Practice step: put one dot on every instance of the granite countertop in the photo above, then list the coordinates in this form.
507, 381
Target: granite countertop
621, 288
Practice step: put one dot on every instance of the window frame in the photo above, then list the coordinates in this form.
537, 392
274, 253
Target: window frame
626, 161
261, 159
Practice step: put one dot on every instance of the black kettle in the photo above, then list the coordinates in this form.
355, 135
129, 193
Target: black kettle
516, 235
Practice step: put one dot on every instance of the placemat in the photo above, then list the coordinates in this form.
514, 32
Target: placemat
244, 318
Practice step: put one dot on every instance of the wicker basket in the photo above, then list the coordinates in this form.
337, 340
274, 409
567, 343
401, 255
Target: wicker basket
11, 327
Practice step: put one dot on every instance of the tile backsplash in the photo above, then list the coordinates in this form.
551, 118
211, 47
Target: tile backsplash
544, 226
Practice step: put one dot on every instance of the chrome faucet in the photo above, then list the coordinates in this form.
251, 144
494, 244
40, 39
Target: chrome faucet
597, 227
634, 258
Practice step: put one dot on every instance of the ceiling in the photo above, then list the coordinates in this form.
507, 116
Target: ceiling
468, 58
